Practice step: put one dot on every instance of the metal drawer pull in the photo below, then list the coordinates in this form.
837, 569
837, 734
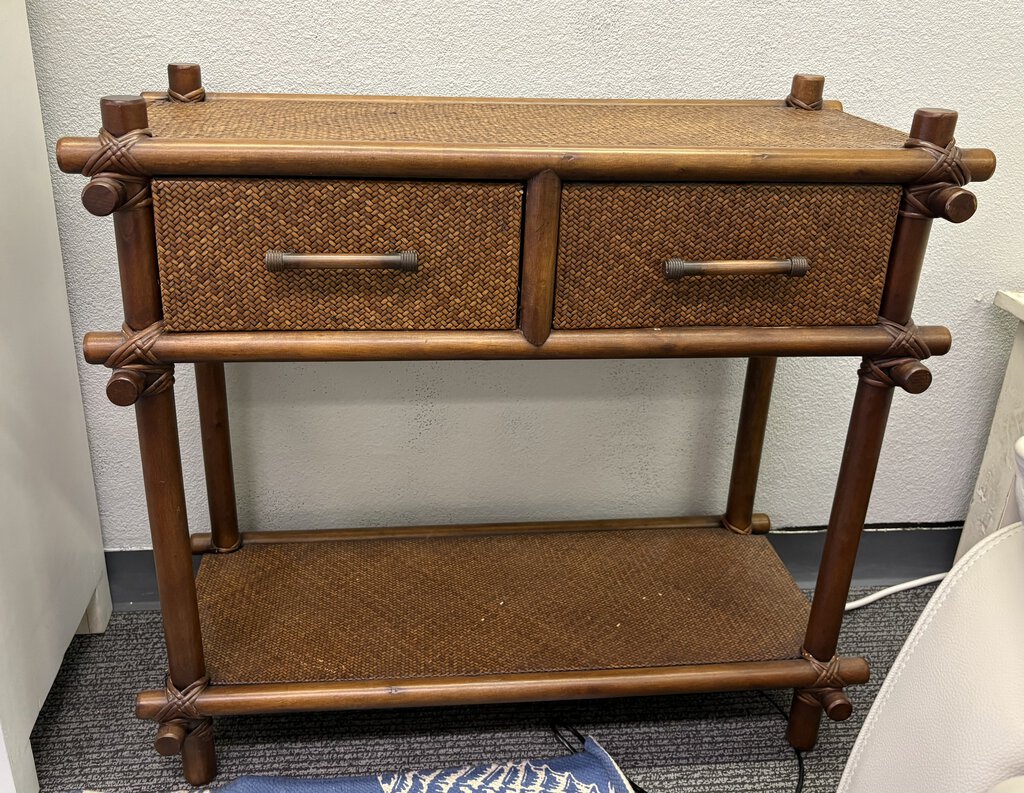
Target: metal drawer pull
795, 266
286, 260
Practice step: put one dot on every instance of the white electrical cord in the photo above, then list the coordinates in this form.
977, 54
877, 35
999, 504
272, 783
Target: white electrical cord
892, 590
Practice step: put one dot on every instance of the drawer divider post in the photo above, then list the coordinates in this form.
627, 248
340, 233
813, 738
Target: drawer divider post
540, 250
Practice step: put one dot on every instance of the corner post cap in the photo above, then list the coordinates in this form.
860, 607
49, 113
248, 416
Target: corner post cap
935, 125
185, 82
806, 92
122, 114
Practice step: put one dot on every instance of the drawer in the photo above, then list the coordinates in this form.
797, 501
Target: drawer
213, 236
615, 238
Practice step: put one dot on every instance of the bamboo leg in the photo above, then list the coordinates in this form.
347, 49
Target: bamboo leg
746, 462
172, 553
867, 423
853, 491
216, 434
141, 378
199, 757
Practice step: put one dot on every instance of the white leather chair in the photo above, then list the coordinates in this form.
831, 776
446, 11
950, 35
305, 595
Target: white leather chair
950, 714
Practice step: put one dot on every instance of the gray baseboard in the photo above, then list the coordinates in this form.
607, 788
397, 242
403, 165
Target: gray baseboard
887, 556
132, 577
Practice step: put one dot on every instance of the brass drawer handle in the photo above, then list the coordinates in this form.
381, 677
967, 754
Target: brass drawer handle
286, 260
795, 266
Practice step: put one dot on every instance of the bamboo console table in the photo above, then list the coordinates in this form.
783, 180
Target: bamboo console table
257, 227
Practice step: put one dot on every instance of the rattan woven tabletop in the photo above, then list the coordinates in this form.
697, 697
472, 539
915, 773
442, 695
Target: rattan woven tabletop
475, 605
519, 123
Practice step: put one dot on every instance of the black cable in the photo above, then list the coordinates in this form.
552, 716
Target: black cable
797, 752
557, 728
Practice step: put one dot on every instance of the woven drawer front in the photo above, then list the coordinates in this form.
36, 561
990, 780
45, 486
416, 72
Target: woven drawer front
213, 235
614, 239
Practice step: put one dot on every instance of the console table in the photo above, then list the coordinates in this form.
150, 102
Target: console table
255, 227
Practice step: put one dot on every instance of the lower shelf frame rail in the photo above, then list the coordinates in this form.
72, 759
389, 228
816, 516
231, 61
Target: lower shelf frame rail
242, 699
202, 542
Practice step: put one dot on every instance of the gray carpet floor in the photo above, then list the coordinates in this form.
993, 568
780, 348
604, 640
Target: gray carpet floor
87, 736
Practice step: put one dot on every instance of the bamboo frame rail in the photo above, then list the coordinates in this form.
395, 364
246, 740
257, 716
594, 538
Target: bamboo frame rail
705, 342
155, 96
203, 542
228, 157
240, 699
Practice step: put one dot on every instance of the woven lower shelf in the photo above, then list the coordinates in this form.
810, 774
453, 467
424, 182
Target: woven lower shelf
435, 607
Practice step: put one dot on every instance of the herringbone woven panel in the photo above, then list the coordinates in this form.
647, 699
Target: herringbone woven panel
531, 602
614, 239
213, 234
555, 124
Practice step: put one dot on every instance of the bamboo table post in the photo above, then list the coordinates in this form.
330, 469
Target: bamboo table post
805, 94
120, 187
215, 430
940, 195
185, 85
746, 463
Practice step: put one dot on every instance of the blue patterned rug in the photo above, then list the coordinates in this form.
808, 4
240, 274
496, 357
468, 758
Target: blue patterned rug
588, 771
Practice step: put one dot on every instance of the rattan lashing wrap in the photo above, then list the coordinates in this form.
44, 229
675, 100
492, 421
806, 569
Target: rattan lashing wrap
453, 606
614, 239
512, 123
213, 235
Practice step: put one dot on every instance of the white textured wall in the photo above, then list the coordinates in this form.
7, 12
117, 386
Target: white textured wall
331, 445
